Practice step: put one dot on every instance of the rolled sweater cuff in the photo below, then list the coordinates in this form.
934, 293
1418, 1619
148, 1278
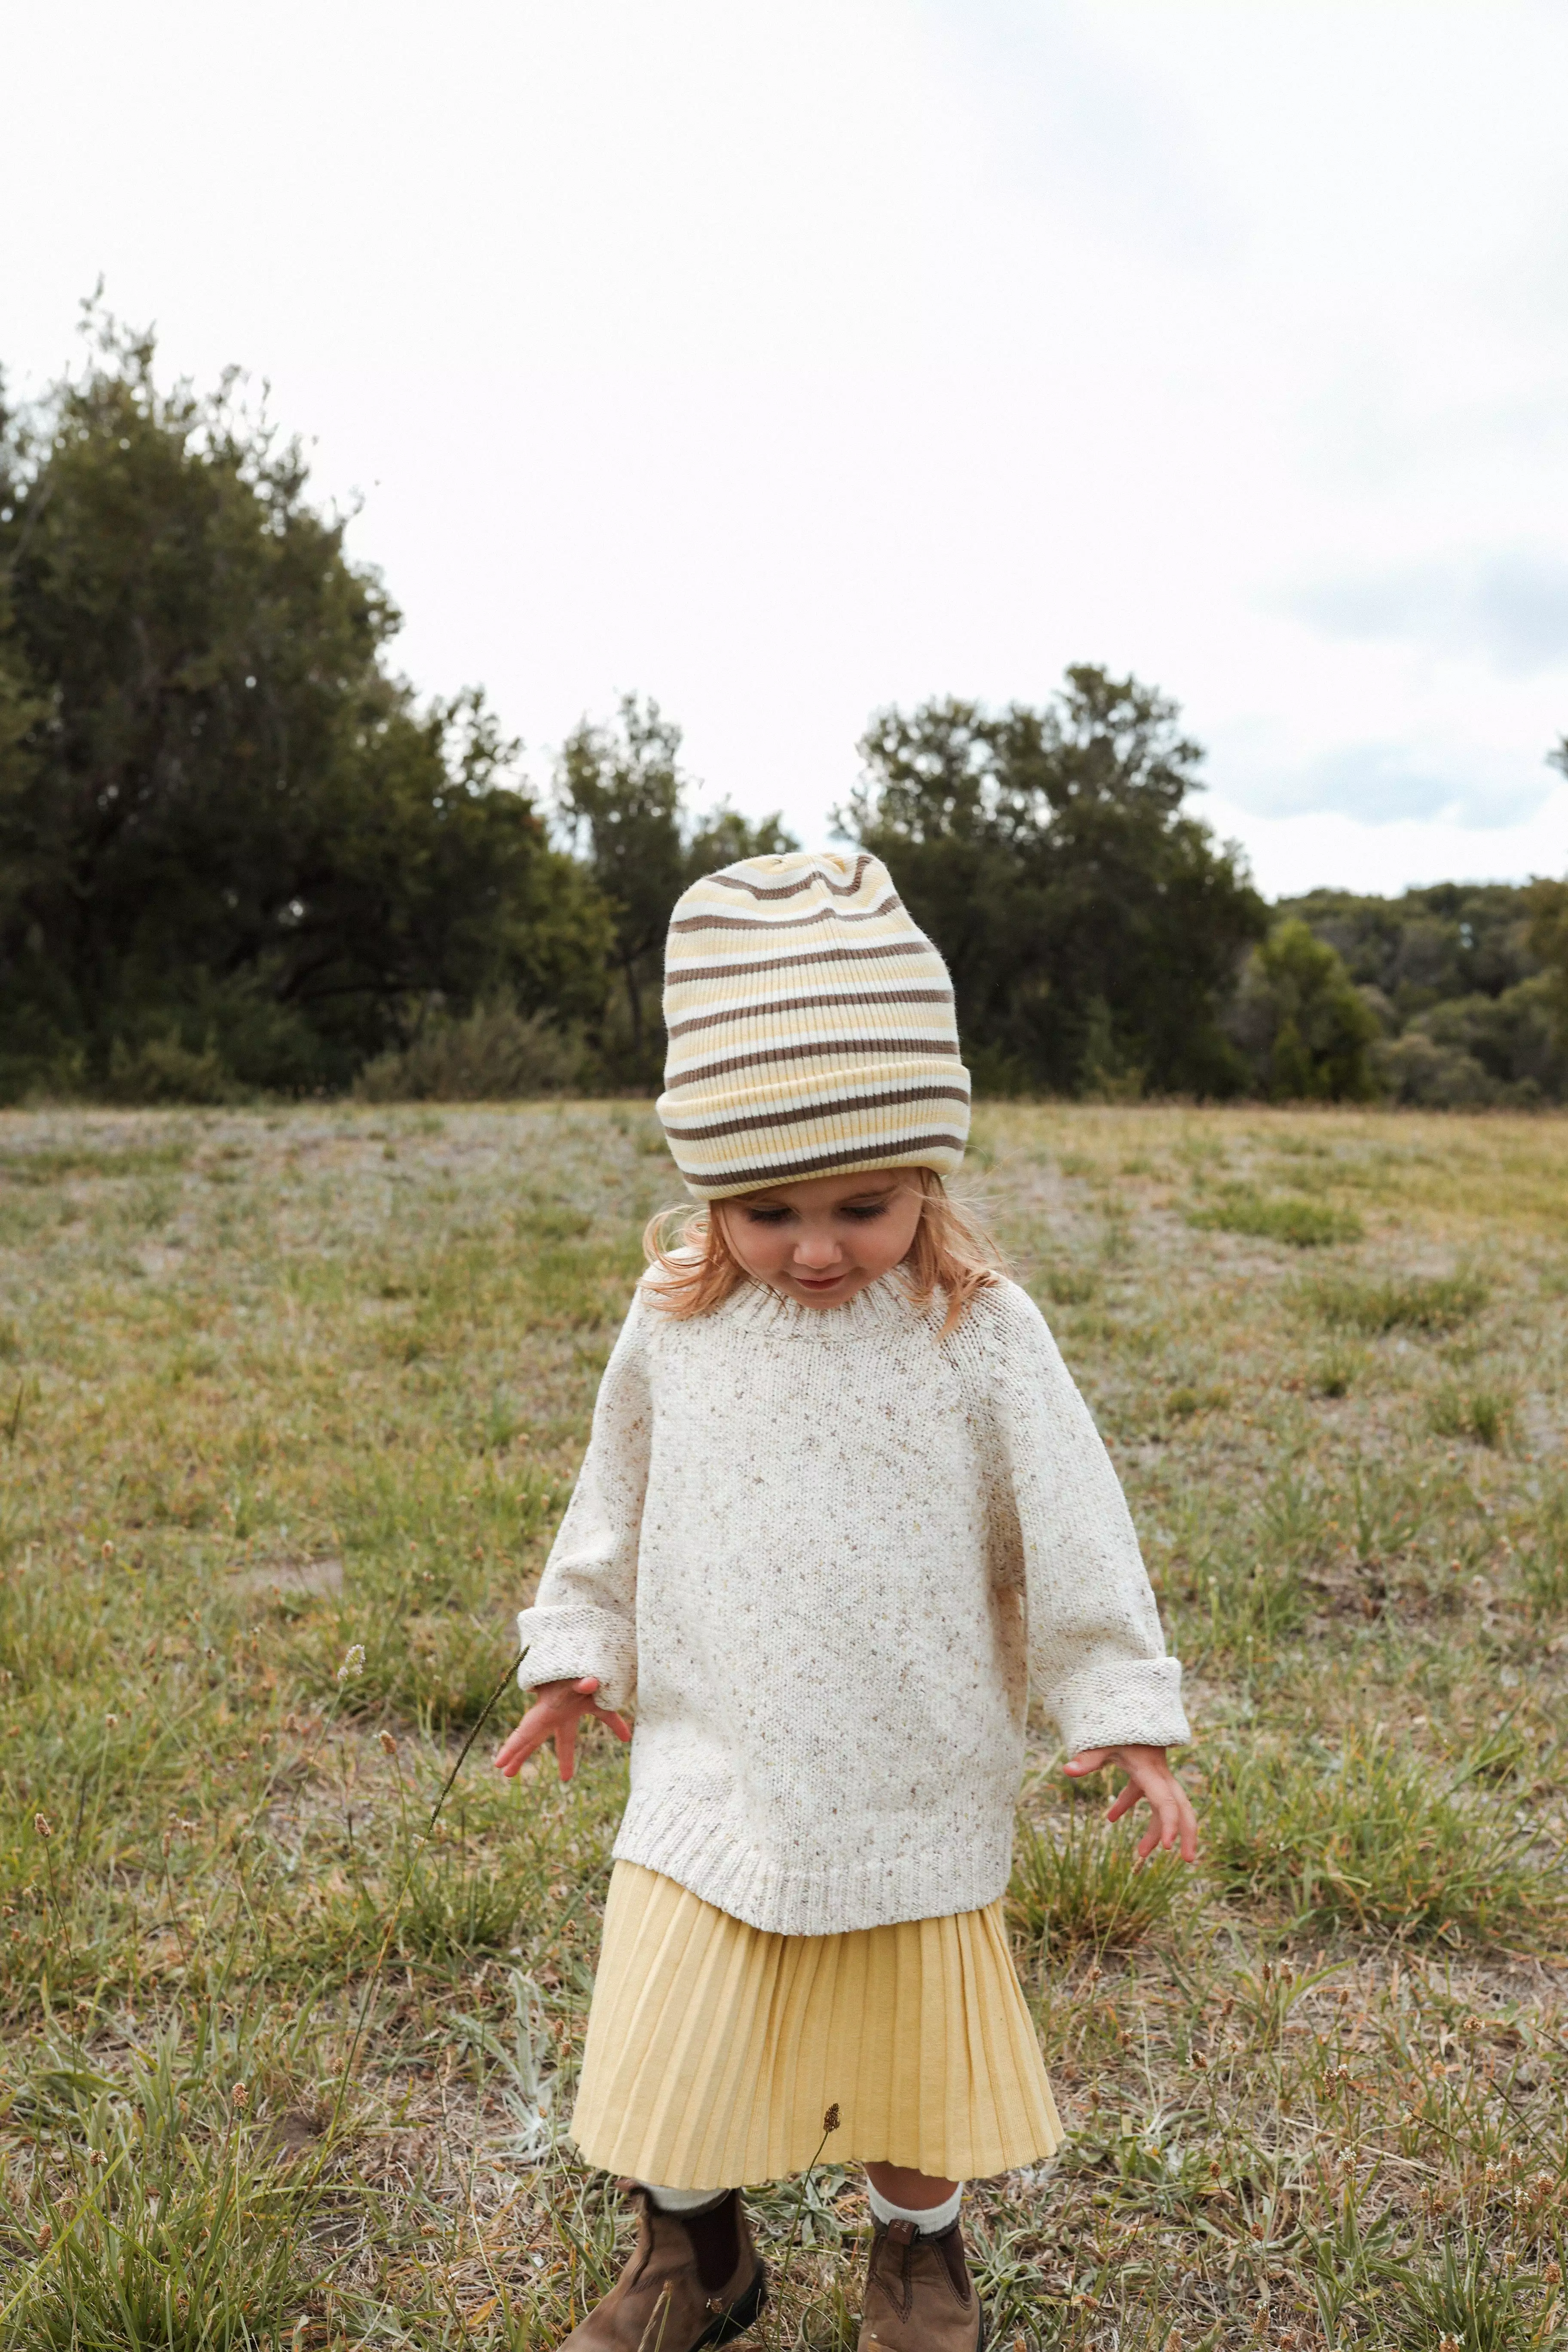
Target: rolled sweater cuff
1122, 1703
566, 1643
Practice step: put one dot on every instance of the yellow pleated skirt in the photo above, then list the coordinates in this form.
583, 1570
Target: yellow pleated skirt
715, 2052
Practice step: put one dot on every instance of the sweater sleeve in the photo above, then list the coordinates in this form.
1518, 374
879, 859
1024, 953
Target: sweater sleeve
583, 1617
1097, 1654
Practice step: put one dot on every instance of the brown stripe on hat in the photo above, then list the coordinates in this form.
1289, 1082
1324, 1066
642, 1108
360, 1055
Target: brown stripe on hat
737, 881
777, 1005
692, 969
815, 1050
812, 1113
889, 906
937, 1150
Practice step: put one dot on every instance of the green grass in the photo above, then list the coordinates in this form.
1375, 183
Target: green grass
1077, 1884
278, 1386
1398, 1302
1484, 1414
1300, 1223
1370, 1837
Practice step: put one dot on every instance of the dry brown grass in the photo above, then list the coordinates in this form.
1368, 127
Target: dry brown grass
272, 1386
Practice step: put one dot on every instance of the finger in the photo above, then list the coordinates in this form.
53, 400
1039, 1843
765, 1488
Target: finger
588, 1686
1124, 1801
1160, 1831
521, 1743
617, 1724
1088, 1760
1189, 1829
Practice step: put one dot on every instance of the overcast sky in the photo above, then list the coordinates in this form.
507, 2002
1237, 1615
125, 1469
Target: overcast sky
786, 361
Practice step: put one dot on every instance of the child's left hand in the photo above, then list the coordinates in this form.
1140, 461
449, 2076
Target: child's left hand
1151, 1779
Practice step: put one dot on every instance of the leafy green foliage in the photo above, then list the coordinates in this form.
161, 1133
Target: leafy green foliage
233, 851
1464, 982
1307, 1033
624, 801
1091, 925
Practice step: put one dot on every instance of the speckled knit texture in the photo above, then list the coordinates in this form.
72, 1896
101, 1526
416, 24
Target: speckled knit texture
826, 1554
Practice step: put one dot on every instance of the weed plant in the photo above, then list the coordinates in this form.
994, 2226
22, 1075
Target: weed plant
280, 1387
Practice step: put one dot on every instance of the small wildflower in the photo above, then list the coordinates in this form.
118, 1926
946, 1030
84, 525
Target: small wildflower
239, 2096
42, 2240
108, 1551
353, 1664
1553, 2273
95, 2157
43, 1824
112, 1720
388, 1744
830, 2121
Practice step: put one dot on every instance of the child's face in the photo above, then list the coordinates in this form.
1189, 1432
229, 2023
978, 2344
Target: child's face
821, 1240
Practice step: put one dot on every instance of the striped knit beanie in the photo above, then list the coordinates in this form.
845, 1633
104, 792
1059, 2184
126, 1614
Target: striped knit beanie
810, 1028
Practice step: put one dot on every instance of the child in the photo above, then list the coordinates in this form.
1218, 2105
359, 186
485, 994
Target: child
841, 1506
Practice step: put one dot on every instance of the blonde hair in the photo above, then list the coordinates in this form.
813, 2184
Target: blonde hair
697, 1269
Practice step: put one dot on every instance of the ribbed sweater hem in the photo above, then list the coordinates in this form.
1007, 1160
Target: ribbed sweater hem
952, 1869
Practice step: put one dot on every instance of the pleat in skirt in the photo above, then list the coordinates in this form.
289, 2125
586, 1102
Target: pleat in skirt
716, 2052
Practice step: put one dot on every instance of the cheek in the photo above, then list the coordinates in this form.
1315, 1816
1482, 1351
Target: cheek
758, 1247
887, 1243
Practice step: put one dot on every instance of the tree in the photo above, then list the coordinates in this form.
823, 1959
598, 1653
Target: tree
1547, 938
1307, 1031
623, 800
1093, 926
221, 821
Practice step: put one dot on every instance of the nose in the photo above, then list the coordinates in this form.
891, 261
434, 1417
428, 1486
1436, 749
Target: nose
817, 1250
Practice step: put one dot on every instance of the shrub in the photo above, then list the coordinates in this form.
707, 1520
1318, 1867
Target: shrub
1078, 1882
163, 1070
1286, 1217
1305, 1029
495, 1054
1370, 1838
1412, 1302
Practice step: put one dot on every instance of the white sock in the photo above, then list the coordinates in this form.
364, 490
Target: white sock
931, 2220
683, 2200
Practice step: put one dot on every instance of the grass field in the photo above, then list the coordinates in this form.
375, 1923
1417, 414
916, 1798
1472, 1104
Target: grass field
290, 1404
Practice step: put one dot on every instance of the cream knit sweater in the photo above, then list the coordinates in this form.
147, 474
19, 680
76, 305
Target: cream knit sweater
828, 1555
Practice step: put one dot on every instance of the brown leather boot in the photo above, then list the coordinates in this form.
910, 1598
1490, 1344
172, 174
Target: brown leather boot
694, 2278
920, 2296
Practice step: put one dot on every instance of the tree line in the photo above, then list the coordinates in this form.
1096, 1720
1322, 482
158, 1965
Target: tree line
239, 856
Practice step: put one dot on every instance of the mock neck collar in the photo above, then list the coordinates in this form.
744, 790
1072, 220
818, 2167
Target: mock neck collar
883, 1306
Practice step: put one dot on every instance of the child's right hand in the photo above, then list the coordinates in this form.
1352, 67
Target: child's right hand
553, 1715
